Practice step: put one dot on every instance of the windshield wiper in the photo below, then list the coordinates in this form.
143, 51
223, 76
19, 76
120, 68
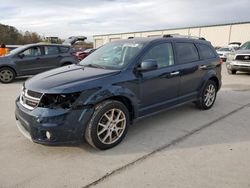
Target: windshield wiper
94, 66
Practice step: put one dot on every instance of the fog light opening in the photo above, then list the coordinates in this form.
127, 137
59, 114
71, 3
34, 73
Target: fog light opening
48, 135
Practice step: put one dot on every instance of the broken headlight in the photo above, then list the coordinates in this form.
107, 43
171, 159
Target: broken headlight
54, 101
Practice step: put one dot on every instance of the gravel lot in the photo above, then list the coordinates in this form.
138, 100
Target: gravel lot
183, 147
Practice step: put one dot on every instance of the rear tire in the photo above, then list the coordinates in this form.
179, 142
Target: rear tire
7, 75
108, 125
231, 71
208, 96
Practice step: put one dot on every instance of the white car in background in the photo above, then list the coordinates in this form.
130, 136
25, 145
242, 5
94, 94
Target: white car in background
224, 51
235, 45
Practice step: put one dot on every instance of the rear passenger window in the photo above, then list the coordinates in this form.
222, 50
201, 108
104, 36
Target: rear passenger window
205, 51
51, 50
64, 49
186, 52
162, 53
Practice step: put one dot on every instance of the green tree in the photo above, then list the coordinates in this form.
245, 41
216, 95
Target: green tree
10, 35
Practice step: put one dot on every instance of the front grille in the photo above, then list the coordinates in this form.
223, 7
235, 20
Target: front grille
30, 99
243, 58
34, 94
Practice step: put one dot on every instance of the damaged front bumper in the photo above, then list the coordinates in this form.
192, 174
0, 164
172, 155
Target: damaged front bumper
52, 126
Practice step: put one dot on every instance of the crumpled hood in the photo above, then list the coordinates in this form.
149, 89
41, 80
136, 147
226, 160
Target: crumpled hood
67, 79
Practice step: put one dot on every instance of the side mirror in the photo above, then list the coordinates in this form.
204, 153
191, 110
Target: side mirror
148, 65
21, 56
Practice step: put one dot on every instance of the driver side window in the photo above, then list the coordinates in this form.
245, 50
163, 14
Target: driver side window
162, 53
32, 52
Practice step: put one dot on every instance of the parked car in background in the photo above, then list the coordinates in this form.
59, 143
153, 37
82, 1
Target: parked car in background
82, 54
33, 59
235, 45
73, 39
224, 51
119, 83
239, 60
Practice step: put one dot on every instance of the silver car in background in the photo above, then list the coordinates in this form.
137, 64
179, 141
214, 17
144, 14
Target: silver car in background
239, 60
224, 51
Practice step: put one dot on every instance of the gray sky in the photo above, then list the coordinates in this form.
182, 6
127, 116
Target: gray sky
65, 18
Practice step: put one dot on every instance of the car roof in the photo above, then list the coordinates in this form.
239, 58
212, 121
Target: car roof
44, 44
156, 39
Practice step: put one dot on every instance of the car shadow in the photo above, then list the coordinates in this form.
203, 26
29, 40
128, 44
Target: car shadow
21, 79
164, 129
161, 130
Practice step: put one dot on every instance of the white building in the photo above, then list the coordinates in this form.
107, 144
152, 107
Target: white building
218, 35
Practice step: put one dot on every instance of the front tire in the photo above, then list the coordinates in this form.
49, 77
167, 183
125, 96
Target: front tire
7, 75
108, 125
208, 96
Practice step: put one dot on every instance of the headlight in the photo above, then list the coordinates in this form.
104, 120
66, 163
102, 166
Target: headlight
54, 101
230, 57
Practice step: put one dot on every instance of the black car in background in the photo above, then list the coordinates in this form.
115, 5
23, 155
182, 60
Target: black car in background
117, 84
33, 59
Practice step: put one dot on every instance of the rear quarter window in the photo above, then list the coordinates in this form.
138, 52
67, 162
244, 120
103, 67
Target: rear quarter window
186, 52
206, 51
64, 49
51, 50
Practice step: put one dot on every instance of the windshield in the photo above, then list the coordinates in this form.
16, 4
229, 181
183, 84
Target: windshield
245, 46
17, 50
115, 55
224, 49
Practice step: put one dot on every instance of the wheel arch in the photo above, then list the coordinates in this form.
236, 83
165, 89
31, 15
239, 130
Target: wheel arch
66, 63
6, 66
209, 76
216, 80
123, 95
127, 102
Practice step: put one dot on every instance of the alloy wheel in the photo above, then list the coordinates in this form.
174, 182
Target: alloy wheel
6, 75
111, 126
209, 95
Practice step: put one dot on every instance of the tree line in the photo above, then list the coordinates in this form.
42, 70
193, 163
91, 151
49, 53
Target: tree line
10, 35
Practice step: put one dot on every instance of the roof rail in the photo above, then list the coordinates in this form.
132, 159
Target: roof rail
182, 36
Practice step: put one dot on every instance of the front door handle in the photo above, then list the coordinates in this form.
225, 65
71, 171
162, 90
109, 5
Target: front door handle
175, 73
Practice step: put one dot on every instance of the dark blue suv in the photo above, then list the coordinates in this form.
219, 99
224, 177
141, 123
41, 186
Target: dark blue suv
99, 98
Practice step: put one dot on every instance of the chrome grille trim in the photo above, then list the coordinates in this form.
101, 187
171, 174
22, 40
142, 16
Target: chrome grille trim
243, 57
26, 99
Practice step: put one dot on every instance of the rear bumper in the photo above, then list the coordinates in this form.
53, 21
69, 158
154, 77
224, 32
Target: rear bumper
64, 126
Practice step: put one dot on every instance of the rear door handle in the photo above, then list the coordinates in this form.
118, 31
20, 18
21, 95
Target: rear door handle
175, 73
203, 66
